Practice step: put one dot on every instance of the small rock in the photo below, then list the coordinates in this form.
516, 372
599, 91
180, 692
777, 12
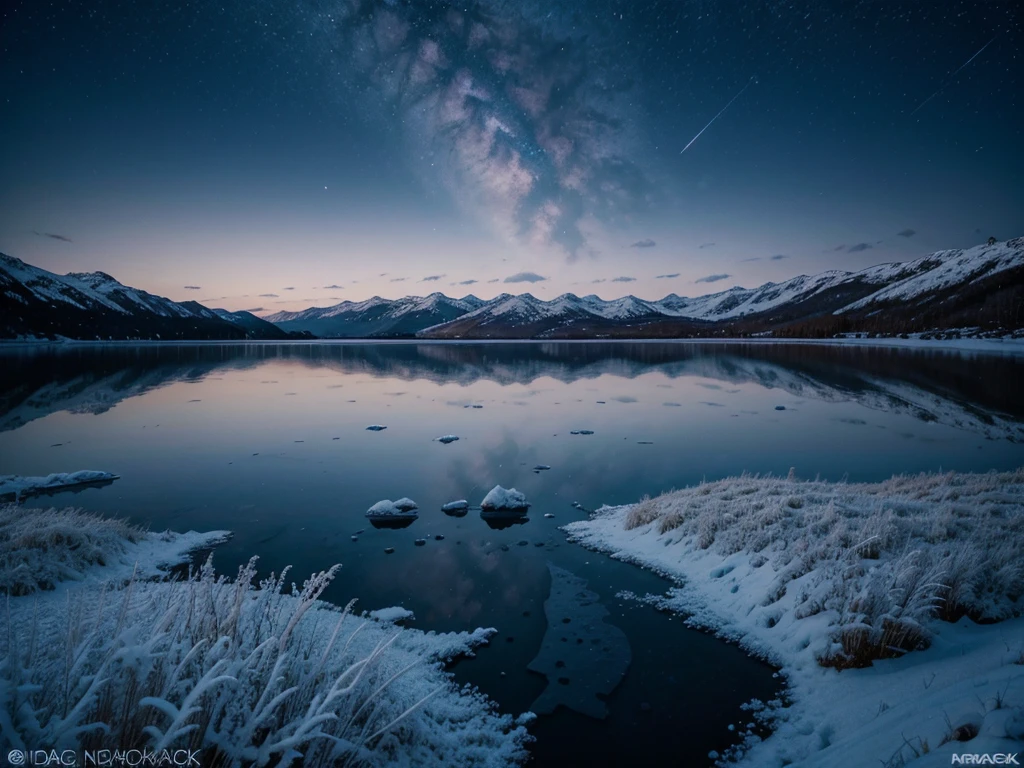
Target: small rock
389, 550
376, 427
420, 542
355, 538
780, 407
548, 515
439, 537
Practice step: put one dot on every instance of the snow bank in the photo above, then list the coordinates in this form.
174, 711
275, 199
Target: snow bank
392, 614
41, 547
13, 487
844, 587
499, 498
387, 508
261, 674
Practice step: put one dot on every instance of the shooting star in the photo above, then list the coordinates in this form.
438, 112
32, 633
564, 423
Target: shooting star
951, 77
717, 116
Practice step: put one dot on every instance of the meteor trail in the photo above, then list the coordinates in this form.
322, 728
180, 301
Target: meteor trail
950, 78
717, 116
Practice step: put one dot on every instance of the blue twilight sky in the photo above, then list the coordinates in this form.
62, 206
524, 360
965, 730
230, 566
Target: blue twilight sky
277, 155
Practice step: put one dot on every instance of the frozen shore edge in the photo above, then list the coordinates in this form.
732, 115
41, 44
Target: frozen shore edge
775, 564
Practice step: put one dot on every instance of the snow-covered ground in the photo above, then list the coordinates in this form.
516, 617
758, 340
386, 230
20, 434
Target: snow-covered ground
17, 487
844, 587
263, 674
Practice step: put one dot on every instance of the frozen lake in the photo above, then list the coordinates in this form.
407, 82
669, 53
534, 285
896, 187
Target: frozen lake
271, 442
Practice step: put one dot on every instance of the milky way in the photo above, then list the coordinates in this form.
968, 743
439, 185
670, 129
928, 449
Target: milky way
522, 113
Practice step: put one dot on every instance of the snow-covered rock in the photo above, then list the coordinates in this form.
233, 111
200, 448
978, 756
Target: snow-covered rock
16, 487
388, 508
499, 498
455, 506
447, 439
376, 428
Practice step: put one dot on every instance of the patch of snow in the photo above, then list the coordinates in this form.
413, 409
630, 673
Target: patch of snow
16, 487
392, 614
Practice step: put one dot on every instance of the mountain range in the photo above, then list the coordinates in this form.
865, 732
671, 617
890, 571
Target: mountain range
980, 287
94, 306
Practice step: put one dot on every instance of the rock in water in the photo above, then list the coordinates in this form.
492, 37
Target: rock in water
376, 428
591, 662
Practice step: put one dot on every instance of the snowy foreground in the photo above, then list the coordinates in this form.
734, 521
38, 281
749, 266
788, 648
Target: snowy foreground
846, 588
247, 673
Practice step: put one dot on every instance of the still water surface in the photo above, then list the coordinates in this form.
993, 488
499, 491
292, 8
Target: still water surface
269, 441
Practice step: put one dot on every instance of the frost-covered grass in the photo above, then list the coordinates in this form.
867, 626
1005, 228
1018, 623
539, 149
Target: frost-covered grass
837, 583
250, 673
886, 557
40, 547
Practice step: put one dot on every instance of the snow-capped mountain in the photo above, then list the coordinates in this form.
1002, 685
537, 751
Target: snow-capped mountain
944, 289
377, 316
93, 305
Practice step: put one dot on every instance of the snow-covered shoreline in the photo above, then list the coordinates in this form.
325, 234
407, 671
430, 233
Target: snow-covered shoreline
800, 572
261, 673
14, 487
1005, 345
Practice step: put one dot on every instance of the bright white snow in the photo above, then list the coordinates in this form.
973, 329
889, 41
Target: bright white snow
812, 573
499, 498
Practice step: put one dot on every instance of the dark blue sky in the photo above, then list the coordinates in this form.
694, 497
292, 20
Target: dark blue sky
279, 155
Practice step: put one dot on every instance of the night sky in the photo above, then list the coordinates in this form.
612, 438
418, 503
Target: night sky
276, 155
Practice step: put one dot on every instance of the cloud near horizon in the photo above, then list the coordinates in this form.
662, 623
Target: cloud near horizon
192, 287
666, 277
907, 233
712, 278
645, 243
702, 246
268, 296
525, 277
778, 257
53, 236
466, 282
859, 247
624, 279
333, 287
431, 278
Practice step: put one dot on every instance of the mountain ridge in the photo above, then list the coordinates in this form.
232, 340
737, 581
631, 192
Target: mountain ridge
800, 305
979, 287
